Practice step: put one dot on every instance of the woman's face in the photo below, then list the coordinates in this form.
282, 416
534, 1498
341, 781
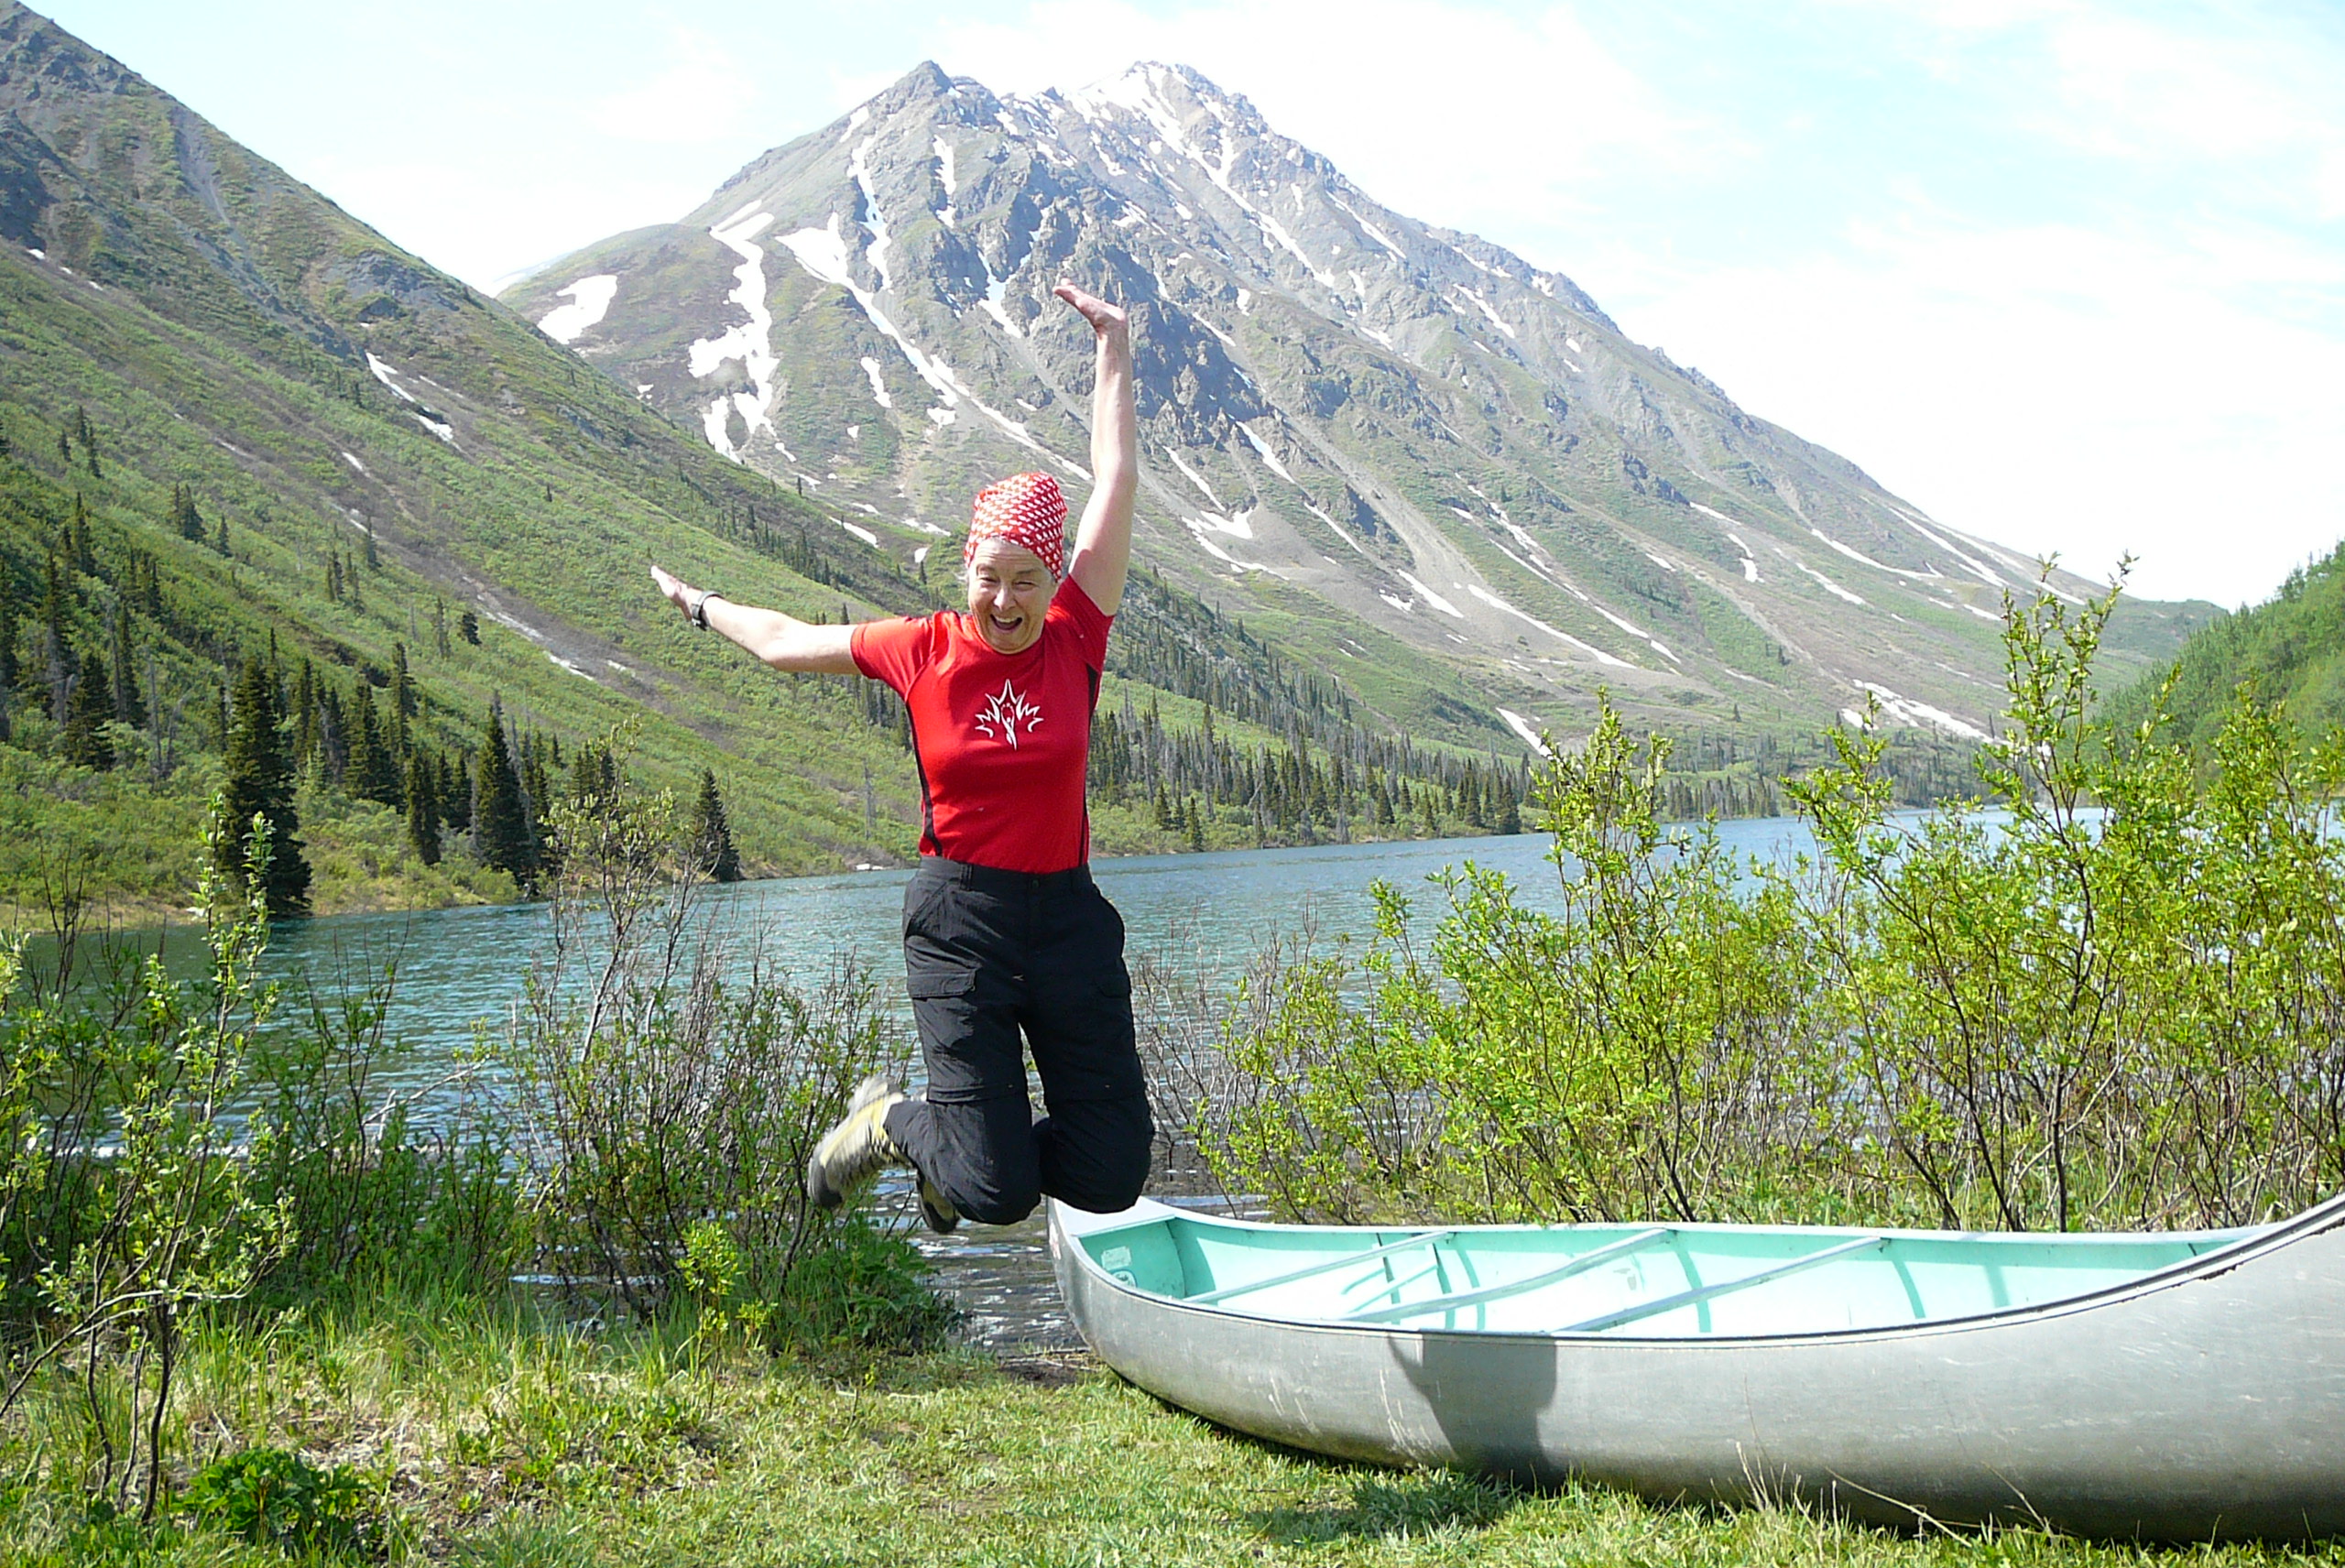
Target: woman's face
1008, 590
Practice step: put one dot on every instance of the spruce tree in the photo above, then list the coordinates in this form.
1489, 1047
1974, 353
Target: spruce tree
128, 705
305, 714
9, 670
88, 707
454, 794
373, 772
258, 781
85, 558
56, 664
501, 836
185, 517
712, 847
403, 704
423, 809
468, 627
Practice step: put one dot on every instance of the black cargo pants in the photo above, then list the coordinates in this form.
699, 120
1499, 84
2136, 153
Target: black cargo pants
988, 954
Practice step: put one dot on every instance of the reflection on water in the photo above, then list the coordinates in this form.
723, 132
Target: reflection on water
460, 972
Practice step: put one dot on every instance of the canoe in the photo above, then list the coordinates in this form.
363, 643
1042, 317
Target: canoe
2174, 1386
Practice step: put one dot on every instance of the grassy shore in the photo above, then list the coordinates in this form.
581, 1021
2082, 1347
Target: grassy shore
491, 1434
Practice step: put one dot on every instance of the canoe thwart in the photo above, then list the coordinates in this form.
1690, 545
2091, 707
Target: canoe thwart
1700, 1294
1325, 1266
1458, 1299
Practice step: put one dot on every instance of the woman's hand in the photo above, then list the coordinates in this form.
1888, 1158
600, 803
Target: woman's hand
674, 589
1105, 318
1103, 542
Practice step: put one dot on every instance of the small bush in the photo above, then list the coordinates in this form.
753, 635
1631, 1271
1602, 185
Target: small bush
273, 1498
368, 1195
863, 1289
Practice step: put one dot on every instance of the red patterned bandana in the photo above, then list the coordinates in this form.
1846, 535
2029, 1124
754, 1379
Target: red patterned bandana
1026, 509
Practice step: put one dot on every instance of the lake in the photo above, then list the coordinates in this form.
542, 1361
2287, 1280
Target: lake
460, 970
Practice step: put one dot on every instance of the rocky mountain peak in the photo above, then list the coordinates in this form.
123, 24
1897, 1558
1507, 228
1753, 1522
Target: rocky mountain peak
1410, 441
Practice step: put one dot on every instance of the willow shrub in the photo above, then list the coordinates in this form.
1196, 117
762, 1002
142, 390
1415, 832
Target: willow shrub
124, 1205
2120, 1001
2109, 992
667, 1078
1621, 1056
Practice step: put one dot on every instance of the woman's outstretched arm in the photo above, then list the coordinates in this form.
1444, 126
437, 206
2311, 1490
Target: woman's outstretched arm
1103, 543
782, 641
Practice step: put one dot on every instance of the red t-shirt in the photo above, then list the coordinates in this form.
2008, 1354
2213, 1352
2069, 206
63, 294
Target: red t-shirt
1003, 740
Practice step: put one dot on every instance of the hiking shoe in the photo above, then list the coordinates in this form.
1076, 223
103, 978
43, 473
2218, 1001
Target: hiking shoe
852, 1152
937, 1209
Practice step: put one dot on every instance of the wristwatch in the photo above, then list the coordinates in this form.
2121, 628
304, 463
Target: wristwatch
696, 605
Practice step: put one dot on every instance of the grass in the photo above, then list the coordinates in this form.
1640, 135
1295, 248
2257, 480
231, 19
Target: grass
493, 1434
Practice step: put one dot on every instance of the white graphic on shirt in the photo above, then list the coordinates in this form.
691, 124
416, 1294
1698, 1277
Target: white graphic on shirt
1004, 712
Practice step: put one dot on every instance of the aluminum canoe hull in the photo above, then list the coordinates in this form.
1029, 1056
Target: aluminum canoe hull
2204, 1403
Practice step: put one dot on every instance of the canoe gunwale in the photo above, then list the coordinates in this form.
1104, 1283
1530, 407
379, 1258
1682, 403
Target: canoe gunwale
1075, 1225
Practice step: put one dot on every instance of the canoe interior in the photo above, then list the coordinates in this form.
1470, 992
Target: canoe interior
1626, 1280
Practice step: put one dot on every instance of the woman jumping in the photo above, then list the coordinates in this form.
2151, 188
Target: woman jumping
1004, 931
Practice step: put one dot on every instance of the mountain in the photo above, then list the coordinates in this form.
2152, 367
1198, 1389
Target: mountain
1411, 456
235, 423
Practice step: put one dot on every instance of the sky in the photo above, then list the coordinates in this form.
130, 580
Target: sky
2066, 273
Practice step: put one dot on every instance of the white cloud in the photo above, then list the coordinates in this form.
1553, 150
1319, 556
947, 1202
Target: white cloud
702, 94
2051, 387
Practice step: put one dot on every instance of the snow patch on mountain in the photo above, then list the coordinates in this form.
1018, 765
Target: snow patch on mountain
1495, 602
879, 387
1195, 478
823, 252
1829, 586
1521, 726
1430, 597
1345, 534
749, 341
1977, 568
1859, 557
876, 253
1370, 230
589, 299
1920, 716
1269, 458
995, 289
1482, 304
388, 377
944, 168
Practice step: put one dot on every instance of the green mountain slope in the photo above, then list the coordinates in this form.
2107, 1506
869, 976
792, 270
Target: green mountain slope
2290, 649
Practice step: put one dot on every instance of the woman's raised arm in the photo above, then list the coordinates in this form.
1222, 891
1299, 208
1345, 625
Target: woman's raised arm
782, 641
1103, 543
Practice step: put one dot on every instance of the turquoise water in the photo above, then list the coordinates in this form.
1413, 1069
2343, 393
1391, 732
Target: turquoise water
461, 971
1209, 913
